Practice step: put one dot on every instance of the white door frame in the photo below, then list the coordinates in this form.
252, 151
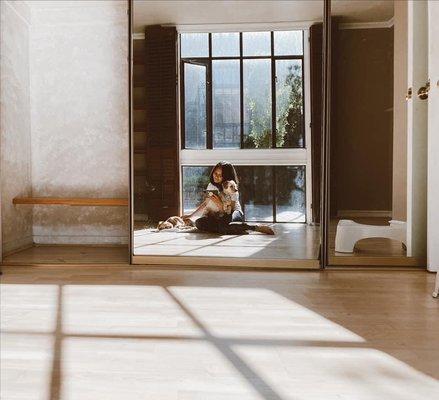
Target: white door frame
433, 140
417, 113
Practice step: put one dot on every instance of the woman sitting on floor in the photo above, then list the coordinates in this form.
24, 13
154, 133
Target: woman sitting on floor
228, 223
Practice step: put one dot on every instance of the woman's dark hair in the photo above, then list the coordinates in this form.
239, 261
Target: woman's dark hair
228, 170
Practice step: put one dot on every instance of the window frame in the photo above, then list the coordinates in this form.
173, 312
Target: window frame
242, 156
182, 99
209, 92
274, 204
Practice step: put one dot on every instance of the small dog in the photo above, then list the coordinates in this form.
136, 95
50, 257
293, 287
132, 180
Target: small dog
175, 222
227, 196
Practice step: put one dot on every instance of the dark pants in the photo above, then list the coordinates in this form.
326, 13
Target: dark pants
223, 224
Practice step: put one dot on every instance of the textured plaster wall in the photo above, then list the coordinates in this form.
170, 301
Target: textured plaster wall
64, 119
78, 81
15, 125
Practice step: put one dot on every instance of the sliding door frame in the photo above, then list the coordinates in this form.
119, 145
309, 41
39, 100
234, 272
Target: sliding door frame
326, 135
131, 134
215, 261
326, 259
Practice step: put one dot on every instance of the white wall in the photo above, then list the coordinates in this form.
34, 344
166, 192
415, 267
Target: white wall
79, 110
76, 80
15, 165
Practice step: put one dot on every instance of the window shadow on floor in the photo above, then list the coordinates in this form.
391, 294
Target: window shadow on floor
398, 337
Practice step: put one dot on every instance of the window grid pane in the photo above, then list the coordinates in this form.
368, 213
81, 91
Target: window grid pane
256, 192
290, 194
194, 45
257, 104
195, 181
226, 104
255, 113
288, 43
256, 43
289, 104
195, 87
225, 44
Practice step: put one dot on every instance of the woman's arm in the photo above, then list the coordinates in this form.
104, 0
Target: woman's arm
200, 208
215, 198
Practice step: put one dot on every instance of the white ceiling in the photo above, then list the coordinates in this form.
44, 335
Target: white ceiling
149, 12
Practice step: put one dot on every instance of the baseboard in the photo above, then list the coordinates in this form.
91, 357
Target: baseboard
364, 213
83, 239
212, 262
17, 245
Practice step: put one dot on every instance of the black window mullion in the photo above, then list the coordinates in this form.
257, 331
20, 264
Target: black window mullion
303, 94
241, 91
273, 94
182, 106
209, 94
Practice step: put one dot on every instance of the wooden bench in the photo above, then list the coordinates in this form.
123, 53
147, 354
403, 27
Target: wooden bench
72, 201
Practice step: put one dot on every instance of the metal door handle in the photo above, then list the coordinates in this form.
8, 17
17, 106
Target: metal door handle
423, 91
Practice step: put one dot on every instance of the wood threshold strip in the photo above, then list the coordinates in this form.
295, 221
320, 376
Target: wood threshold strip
212, 262
72, 201
382, 261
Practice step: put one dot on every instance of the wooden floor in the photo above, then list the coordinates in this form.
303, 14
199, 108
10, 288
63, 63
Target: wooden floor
69, 254
294, 242
130, 333
291, 241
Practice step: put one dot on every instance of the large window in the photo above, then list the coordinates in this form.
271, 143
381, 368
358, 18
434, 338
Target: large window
242, 90
244, 99
267, 193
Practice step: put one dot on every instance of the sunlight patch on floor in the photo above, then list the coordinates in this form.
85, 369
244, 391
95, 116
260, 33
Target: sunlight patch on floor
39, 313
147, 369
188, 342
123, 310
26, 366
253, 313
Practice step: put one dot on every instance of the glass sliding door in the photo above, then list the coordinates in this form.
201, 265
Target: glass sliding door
243, 97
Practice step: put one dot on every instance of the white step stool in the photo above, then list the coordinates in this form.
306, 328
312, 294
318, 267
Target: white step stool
350, 232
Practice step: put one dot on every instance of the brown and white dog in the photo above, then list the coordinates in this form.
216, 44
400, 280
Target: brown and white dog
211, 207
175, 222
227, 196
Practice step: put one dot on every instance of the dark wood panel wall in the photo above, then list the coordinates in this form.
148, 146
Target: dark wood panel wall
362, 123
161, 122
315, 38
